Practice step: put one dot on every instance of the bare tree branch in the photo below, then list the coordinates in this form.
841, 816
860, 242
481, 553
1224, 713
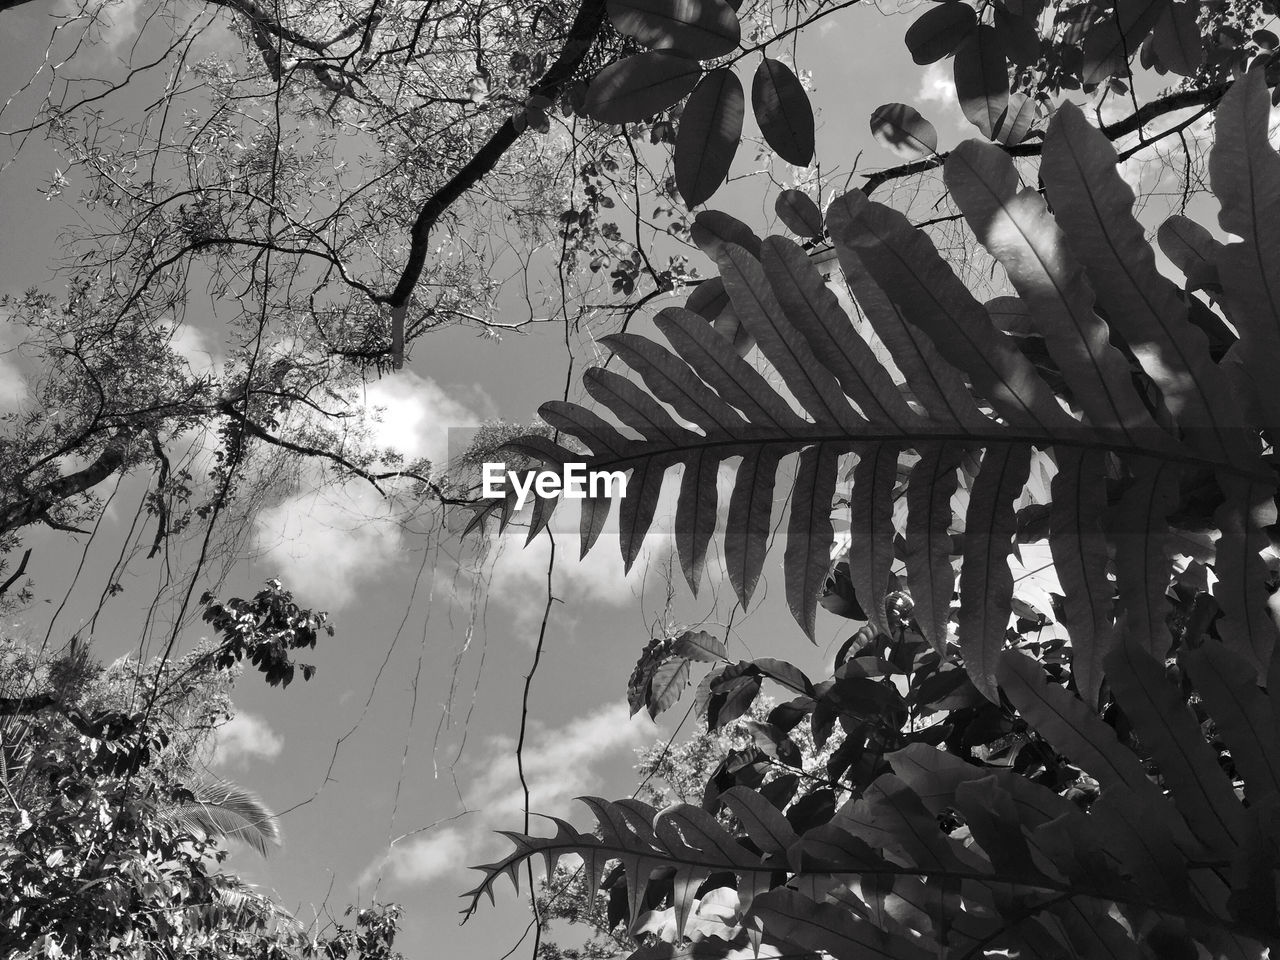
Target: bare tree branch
582, 34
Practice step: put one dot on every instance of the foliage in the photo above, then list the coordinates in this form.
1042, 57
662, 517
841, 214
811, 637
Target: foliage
1148, 415
113, 835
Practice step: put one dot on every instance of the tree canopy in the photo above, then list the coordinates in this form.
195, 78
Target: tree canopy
1007, 404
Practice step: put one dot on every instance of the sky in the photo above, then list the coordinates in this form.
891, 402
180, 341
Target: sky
395, 765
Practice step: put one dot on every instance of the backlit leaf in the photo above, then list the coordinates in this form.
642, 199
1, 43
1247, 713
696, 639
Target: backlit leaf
700, 29
640, 86
783, 112
901, 129
710, 129
938, 31
799, 213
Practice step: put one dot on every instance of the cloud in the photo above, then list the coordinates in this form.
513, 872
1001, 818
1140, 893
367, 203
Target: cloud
326, 543
421, 859
559, 764
413, 414
13, 386
243, 738
938, 86
330, 539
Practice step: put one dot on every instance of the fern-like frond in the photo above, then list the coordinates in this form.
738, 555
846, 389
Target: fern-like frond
967, 389
223, 809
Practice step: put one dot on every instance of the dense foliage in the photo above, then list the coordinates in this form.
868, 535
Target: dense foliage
1049, 828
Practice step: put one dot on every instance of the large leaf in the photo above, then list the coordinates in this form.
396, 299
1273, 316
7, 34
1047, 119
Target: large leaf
1243, 715
746, 534
986, 582
904, 263
800, 214
901, 129
1016, 229
1079, 550
982, 79
929, 572
1245, 171
809, 533
1169, 730
871, 528
938, 31
640, 86
1093, 205
710, 129
701, 29
783, 112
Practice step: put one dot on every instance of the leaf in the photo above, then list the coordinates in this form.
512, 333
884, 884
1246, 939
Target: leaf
758, 308
1140, 531
1110, 43
1243, 715
708, 299
1176, 41
1192, 249
1079, 549
930, 576
1245, 171
699, 29
1169, 730
836, 930
1016, 228
871, 528
900, 129
904, 263
747, 529
672, 382
700, 646
982, 79
799, 213
729, 375
939, 31
640, 86
813, 309
712, 229
644, 486
668, 683
936, 383
600, 436
783, 112
633, 406
696, 513
765, 825
986, 582
1073, 728
595, 512
710, 129
1015, 123
1093, 205
809, 533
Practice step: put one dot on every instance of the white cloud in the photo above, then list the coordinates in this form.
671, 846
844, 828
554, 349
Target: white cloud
937, 85
421, 859
413, 414
243, 738
326, 543
13, 386
330, 539
197, 348
559, 764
